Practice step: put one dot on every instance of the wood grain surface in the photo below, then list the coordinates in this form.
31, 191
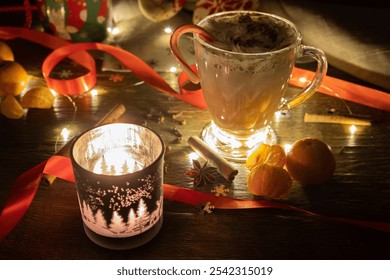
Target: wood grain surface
52, 227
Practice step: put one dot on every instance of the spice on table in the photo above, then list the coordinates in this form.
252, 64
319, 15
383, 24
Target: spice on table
315, 118
176, 131
160, 119
223, 166
175, 114
183, 122
202, 174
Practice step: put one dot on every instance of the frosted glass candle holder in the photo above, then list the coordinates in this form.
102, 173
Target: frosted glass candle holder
119, 170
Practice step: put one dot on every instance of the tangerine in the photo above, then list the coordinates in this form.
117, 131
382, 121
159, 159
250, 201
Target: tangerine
11, 108
310, 161
38, 97
6, 52
269, 180
270, 154
13, 78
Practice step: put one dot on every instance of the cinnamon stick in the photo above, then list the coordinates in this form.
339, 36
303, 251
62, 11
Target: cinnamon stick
223, 166
115, 113
335, 119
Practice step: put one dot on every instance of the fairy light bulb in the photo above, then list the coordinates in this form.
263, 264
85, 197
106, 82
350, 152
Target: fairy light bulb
302, 80
287, 148
193, 156
113, 30
173, 69
94, 92
352, 129
65, 134
168, 30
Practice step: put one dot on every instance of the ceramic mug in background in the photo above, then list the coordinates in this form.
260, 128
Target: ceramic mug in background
244, 61
77, 21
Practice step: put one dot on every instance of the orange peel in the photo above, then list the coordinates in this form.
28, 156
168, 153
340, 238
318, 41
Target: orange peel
11, 108
13, 78
6, 52
38, 97
269, 181
270, 154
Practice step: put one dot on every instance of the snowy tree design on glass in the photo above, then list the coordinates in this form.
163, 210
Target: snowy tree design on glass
122, 210
119, 176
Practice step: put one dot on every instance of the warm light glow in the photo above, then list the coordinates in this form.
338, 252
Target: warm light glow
168, 30
65, 134
141, 208
254, 140
116, 162
302, 80
173, 69
94, 92
352, 129
259, 137
278, 114
116, 218
193, 156
287, 148
53, 92
113, 31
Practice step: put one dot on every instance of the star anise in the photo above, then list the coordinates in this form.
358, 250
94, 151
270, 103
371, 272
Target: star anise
202, 175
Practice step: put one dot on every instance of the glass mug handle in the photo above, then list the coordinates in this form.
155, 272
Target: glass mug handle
311, 88
174, 41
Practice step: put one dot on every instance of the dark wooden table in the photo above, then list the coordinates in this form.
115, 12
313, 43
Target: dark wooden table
52, 227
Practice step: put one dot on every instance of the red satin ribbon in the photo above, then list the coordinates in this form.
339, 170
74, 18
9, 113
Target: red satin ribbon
27, 184
78, 52
344, 90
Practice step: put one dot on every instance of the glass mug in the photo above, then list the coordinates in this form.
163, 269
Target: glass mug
244, 60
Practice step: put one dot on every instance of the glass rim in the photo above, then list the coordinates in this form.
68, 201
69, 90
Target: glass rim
293, 45
154, 162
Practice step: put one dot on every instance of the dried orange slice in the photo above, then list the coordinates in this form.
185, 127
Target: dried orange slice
38, 97
11, 108
269, 181
270, 154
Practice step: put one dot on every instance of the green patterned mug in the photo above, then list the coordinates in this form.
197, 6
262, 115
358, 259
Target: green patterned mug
76, 20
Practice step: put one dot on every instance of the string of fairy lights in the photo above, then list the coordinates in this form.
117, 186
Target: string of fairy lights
66, 132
